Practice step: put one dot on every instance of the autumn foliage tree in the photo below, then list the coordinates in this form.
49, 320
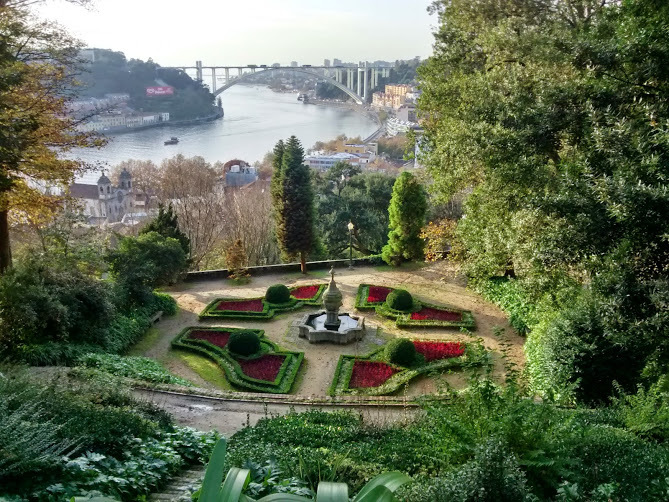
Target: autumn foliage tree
38, 68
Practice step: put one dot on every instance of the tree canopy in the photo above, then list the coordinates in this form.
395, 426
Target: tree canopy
552, 118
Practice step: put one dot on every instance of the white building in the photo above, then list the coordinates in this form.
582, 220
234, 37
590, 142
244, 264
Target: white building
104, 203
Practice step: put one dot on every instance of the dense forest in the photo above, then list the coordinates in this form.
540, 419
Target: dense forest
111, 72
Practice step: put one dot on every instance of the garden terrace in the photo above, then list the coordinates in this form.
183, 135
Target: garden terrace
260, 308
269, 370
434, 283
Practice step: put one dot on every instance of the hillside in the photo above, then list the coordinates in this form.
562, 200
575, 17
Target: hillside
111, 72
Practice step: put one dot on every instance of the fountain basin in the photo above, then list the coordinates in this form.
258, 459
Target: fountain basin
312, 327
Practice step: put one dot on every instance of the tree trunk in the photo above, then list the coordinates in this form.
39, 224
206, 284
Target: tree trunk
303, 262
5, 249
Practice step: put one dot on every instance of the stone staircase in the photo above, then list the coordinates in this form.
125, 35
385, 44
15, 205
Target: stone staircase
181, 487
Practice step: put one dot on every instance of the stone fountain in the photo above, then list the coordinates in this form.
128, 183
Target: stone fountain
329, 325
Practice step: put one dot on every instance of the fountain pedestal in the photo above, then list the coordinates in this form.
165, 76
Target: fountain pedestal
329, 325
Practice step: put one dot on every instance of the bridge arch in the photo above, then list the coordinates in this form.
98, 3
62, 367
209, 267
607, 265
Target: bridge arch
249, 76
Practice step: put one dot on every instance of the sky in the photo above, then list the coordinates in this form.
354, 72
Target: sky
241, 32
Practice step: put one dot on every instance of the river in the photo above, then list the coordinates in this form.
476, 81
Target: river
255, 119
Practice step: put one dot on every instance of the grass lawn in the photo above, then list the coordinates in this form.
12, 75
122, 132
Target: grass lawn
206, 369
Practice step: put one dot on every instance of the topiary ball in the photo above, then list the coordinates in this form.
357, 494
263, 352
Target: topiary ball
277, 293
401, 351
244, 343
400, 299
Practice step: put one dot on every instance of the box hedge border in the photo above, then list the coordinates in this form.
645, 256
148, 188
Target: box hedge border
475, 355
284, 380
269, 309
403, 319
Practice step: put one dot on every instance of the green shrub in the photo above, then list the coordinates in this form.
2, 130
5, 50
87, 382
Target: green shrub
277, 293
400, 299
140, 368
244, 343
401, 351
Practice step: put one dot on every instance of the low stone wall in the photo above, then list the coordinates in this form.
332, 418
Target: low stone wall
281, 268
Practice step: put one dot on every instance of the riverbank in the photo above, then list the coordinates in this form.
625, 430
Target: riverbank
186, 122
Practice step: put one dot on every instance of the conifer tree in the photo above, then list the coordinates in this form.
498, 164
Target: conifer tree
166, 224
235, 260
407, 215
293, 199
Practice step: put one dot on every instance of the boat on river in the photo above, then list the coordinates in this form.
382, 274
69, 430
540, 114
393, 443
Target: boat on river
172, 141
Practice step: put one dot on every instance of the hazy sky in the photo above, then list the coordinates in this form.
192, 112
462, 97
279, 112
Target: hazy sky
224, 32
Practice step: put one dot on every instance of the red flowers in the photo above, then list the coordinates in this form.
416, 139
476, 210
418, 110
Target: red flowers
378, 294
241, 305
218, 338
264, 368
304, 292
439, 350
430, 314
370, 374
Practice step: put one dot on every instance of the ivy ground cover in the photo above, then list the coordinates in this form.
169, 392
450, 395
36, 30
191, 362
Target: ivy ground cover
373, 375
423, 314
271, 370
261, 309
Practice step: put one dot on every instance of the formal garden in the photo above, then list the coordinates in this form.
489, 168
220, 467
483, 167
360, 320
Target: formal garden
495, 328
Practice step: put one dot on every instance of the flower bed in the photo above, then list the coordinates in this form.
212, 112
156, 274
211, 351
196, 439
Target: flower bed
265, 367
422, 314
255, 305
271, 370
218, 338
377, 294
432, 314
433, 351
305, 292
370, 373
261, 309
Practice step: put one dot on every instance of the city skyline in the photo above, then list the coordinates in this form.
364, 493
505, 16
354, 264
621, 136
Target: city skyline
255, 32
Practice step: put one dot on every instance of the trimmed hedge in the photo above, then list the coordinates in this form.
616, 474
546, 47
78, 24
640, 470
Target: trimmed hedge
244, 343
269, 309
475, 355
403, 319
400, 299
277, 293
401, 351
284, 380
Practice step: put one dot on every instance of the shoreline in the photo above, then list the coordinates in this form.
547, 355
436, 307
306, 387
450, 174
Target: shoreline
195, 121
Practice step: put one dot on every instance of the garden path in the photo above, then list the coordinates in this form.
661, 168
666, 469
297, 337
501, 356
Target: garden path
434, 282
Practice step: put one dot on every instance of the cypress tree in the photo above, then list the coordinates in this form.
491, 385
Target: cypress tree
407, 215
293, 198
166, 224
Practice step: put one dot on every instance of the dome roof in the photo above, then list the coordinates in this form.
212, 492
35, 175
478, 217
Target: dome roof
125, 175
103, 180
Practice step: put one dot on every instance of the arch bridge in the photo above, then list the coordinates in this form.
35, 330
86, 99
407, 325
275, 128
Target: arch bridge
356, 82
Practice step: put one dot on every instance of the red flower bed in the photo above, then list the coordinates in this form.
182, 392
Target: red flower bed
304, 292
430, 314
241, 305
264, 368
218, 338
439, 350
370, 374
377, 294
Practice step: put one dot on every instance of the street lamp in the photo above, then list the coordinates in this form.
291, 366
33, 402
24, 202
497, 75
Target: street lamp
350, 244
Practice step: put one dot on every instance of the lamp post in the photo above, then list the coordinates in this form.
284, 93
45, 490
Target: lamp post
350, 244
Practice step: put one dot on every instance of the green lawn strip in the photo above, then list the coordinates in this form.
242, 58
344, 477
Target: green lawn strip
269, 309
474, 355
205, 368
233, 371
146, 343
403, 319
